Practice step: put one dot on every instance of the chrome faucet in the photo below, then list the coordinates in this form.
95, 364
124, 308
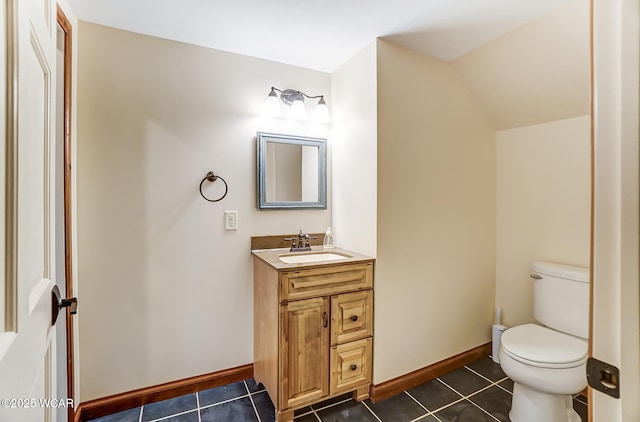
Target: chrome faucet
302, 243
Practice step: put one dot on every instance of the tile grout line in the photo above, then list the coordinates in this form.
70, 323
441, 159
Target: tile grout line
198, 405
313, 412
447, 405
578, 397
490, 415
433, 412
476, 404
453, 389
467, 397
305, 413
420, 404
164, 418
224, 401
421, 417
472, 394
251, 400
481, 390
371, 410
426, 416
310, 412
429, 412
482, 376
330, 405
501, 387
437, 418
493, 384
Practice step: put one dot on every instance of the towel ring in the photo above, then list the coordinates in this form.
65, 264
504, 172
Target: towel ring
212, 178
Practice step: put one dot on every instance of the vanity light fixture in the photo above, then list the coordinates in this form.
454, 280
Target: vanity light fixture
295, 100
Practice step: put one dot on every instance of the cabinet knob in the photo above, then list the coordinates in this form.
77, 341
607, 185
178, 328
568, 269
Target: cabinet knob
354, 318
354, 367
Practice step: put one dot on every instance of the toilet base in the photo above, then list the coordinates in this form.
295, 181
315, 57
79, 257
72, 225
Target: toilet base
529, 405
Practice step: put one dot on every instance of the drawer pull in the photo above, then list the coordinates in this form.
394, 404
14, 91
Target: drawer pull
325, 318
354, 367
354, 318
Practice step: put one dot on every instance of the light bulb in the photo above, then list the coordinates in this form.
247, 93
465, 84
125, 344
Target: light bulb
272, 105
297, 110
322, 112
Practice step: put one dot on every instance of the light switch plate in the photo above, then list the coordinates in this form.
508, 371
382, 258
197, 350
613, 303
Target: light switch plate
231, 220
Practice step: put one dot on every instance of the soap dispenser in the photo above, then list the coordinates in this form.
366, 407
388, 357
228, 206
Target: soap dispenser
328, 239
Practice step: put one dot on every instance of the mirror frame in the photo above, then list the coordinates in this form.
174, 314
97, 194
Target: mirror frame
320, 143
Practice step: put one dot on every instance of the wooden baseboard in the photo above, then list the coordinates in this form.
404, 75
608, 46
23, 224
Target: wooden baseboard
118, 402
412, 379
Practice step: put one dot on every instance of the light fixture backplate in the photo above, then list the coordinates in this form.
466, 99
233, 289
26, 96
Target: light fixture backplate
288, 96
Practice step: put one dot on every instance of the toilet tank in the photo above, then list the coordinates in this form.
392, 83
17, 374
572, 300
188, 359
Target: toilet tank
561, 297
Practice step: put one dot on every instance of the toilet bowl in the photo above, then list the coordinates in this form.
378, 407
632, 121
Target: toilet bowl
547, 368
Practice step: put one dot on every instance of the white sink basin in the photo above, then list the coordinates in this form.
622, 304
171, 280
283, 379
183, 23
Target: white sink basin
303, 258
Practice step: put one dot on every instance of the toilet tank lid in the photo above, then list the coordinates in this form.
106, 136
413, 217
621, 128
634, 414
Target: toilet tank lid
568, 272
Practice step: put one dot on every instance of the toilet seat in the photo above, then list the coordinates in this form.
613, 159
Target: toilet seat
542, 347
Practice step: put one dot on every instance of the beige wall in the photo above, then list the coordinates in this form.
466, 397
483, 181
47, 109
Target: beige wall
436, 215
543, 206
166, 293
354, 88
536, 73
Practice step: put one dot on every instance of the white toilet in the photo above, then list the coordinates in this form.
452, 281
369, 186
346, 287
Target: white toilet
547, 362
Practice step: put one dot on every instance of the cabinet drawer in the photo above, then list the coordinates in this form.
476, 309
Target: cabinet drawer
351, 365
351, 316
325, 281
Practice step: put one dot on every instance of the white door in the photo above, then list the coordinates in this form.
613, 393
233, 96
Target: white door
615, 333
27, 339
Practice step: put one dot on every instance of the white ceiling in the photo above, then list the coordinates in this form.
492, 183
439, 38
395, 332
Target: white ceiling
322, 34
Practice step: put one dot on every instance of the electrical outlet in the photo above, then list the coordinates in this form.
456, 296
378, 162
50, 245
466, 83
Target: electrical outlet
231, 220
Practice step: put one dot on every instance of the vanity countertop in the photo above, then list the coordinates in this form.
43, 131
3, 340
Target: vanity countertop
271, 257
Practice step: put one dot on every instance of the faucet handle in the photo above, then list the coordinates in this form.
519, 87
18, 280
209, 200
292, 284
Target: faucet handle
307, 237
293, 242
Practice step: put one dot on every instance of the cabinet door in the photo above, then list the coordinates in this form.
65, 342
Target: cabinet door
351, 316
305, 351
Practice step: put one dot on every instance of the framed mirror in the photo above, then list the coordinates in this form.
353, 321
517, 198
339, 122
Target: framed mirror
292, 172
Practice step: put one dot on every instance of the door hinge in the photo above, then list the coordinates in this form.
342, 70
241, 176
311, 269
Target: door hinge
603, 377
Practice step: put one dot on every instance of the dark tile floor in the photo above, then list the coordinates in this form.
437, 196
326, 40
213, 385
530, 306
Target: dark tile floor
479, 392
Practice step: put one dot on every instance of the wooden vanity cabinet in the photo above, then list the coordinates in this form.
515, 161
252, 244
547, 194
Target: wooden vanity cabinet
313, 333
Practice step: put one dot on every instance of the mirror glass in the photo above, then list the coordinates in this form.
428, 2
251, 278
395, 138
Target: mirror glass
292, 172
